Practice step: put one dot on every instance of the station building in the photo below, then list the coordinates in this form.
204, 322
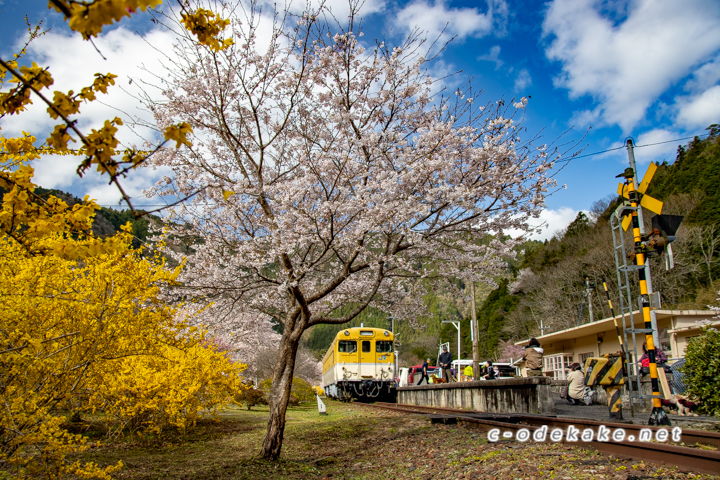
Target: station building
562, 348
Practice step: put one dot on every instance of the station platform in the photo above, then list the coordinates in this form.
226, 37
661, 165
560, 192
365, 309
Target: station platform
513, 395
534, 395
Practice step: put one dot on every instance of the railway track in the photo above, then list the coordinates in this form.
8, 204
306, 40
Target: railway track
687, 458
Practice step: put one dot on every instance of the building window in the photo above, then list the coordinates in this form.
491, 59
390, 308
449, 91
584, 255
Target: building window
585, 356
558, 365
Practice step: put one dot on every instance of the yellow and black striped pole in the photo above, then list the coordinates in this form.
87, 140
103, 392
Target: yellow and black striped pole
658, 415
612, 312
626, 367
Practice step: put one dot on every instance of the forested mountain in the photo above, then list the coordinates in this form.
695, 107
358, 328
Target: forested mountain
548, 284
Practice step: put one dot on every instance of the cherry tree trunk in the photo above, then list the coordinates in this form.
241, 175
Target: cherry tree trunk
280, 396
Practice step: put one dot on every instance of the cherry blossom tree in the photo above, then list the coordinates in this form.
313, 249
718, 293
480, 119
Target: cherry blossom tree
333, 176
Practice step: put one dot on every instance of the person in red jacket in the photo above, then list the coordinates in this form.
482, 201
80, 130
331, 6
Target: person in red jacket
644, 362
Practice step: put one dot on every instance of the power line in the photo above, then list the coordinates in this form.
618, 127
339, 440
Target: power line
670, 141
596, 153
636, 146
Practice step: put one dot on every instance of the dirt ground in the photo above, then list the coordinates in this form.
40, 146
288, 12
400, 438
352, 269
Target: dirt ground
357, 442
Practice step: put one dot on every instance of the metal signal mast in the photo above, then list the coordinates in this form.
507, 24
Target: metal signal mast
633, 215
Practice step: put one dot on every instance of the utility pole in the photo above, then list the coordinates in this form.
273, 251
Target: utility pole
648, 280
588, 291
474, 333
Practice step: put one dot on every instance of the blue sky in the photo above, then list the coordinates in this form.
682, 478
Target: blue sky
604, 71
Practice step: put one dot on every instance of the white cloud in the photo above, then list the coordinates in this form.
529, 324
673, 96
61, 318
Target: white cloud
493, 56
655, 153
704, 77
550, 223
59, 172
459, 22
126, 52
523, 80
55, 171
700, 110
625, 66
340, 9
108, 195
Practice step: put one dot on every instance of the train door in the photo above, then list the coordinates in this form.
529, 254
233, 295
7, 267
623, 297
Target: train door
367, 358
347, 360
384, 359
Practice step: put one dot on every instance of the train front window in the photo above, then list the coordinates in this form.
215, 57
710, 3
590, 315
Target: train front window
383, 346
366, 346
347, 346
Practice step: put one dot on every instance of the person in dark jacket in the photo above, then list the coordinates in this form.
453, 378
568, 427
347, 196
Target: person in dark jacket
445, 363
489, 371
425, 372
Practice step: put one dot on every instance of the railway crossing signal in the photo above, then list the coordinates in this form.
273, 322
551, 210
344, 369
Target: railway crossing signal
636, 197
646, 201
664, 229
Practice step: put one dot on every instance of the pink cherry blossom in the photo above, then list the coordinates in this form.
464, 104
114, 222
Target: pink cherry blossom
333, 176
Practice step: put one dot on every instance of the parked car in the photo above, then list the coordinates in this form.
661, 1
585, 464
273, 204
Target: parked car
412, 375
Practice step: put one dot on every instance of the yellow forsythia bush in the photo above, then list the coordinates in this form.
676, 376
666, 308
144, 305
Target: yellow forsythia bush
83, 326
63, 323
151, 393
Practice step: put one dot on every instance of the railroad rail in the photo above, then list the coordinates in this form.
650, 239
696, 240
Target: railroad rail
688, 458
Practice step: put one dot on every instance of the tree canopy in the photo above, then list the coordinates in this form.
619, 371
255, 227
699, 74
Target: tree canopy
331, 176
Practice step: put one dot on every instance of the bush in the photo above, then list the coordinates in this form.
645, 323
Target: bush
301, 390
152, 393
702, 370
250, 396
64, 324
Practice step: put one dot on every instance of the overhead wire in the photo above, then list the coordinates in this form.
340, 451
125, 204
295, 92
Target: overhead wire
558, 161
635, 146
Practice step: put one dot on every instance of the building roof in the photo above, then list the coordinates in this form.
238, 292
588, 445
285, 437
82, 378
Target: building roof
607, 324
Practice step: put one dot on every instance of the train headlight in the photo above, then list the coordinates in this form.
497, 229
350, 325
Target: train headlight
387, 334
347, 333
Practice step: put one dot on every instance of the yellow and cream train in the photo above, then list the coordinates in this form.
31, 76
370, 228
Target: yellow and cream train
360, 364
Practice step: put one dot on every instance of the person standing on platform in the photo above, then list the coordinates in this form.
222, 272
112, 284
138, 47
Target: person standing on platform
445, 363
425, 372
468, 372
533, 356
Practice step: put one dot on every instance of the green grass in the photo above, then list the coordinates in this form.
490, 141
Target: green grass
352, 442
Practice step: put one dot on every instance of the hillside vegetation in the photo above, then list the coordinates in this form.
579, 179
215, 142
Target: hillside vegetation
547, 285
545, 282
